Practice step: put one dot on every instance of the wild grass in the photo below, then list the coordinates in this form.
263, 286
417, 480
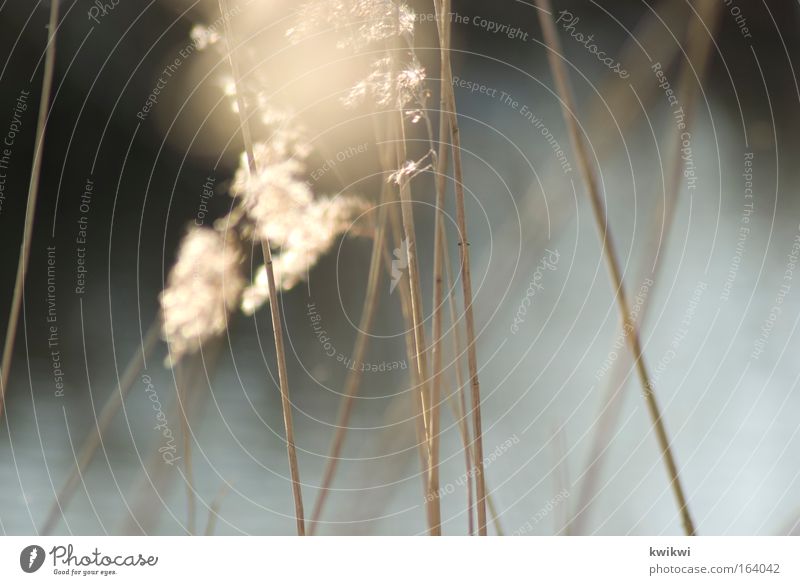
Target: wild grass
556, 60
466, 271
691, 76
275, 314
434, 380
30, 209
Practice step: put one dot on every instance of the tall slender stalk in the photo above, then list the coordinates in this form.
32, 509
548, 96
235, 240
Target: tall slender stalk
699, 43
415, 289
409, 232
275, 313
463, 420
30, 209
423, 435
612, 260
359, 353
466, 275
438, 280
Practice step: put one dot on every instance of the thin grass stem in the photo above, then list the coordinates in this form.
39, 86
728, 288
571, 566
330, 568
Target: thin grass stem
275, 314
612, 260
466, 274
30, 209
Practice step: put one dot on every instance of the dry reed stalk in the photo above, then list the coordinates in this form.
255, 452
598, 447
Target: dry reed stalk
626, 110
30, 209
409, 232
440, 163
398, 137
433, 466
284, 387
698, 51
94, 439
612, 260
460, 415
353, 380
458, 408
466, 275
388, 156
405, 310
463, 419
423, 434
277, 328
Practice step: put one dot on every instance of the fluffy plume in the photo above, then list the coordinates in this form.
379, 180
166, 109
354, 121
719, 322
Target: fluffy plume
275, 198
204, 285
306, 238
203, 37
383, 83
359, 23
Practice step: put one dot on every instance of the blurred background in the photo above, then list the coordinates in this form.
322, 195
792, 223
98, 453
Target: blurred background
568, 442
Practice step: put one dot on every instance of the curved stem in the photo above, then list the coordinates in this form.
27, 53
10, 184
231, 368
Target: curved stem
30, 210
610, 253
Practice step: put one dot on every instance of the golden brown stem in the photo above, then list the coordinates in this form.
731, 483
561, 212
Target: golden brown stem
275, 314
30, 210
609, 250
466, 279
698, 43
